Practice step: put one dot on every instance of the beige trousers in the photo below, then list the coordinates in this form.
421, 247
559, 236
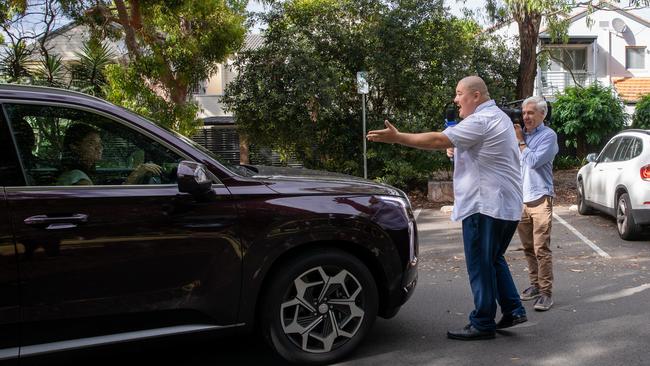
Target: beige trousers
535, 234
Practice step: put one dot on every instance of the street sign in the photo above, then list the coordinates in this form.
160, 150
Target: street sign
362, 82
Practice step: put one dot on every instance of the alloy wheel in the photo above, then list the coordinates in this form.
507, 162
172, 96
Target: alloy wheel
322, 309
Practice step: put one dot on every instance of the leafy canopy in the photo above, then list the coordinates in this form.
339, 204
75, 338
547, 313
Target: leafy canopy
298, 91
172, 45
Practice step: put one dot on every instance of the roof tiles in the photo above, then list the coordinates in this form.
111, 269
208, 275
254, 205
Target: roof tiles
632, 89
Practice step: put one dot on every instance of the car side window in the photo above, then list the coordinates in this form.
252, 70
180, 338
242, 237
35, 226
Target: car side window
607, 155
9, 166
636, 148
69, 146
623, 149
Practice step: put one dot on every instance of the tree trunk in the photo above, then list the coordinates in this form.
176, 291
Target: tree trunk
528, 34
127, 23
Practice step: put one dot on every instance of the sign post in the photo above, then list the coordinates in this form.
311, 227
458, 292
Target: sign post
363, 88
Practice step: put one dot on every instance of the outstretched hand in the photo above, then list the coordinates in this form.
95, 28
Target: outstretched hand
390, 134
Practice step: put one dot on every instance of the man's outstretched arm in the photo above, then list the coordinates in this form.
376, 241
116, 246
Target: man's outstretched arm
425, 140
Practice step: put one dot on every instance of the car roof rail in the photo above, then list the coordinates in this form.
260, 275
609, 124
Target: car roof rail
647, 132
48, 89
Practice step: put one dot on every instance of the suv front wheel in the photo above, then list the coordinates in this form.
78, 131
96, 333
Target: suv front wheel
319, 307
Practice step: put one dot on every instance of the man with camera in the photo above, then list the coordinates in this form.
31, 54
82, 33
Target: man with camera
487, 199
538, 146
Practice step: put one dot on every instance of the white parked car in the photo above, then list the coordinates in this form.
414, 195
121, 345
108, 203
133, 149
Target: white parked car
617, 182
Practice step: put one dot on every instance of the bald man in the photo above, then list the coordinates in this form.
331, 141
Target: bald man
487, 199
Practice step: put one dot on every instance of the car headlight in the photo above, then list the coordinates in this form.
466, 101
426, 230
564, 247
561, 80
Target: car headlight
405, 204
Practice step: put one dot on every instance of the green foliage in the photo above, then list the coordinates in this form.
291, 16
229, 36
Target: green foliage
125, 88
587, 115
88, 71
50, 71
172, 45
642, 113
14, 62
9, 8
567, 162
298, 91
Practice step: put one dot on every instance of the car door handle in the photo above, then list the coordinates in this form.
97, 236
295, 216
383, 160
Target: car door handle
56, 222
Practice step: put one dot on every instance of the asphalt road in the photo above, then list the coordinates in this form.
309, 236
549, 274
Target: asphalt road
601, 314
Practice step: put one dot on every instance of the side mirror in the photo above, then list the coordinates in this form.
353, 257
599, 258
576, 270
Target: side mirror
591, 158
193, 178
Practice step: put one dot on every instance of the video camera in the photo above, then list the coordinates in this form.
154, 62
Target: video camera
514, 111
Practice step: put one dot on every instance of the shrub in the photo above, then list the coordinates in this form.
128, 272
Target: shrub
566, 162
642, 113
587, 115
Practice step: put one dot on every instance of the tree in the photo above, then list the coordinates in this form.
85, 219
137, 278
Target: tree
26, 26
298, 92
172, 45
587, 115
642, 113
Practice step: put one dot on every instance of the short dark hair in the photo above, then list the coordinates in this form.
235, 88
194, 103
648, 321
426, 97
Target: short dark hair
74, 134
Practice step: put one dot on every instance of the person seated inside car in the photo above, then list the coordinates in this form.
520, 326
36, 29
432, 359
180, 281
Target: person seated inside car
82, 149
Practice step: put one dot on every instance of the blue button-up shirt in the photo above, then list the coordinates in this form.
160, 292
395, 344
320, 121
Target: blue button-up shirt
537, 163
487, 175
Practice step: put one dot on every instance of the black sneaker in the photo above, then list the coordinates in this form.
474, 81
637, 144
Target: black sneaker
530, 293
508, 321
543, 303
469, 333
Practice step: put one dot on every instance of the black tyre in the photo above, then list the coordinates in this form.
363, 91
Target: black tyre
583, 207
319, 307
627, 228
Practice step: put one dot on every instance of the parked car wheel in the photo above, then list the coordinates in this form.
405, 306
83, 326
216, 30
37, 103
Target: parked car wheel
583, 207
319, 307
627, 228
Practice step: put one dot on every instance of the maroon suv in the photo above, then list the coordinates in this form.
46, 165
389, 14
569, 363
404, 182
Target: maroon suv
113, 229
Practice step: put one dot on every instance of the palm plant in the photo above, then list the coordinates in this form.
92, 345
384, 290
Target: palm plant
50, 71
14, 61
88, 70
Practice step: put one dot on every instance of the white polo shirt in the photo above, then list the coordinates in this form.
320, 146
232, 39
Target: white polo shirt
487, 171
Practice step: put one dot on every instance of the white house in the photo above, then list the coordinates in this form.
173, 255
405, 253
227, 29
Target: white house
610, 45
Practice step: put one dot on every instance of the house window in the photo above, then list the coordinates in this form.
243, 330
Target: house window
566, 59
635, 57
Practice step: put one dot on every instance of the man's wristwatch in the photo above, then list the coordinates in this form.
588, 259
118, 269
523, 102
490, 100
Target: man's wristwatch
522, 143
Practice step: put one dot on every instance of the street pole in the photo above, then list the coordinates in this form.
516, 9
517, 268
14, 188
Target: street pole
365, 158
363, 88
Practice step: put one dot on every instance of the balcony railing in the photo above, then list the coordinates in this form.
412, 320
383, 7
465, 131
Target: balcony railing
553, 82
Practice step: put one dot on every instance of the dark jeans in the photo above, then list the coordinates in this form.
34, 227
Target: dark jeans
486, 240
